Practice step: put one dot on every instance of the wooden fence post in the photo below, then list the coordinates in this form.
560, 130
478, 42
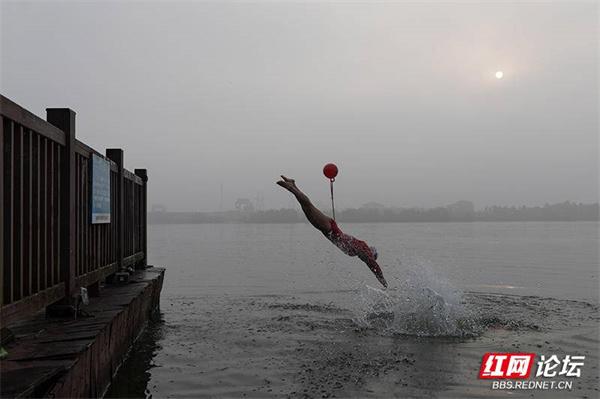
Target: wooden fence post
143, 174
64, 119
116, 155
2, 171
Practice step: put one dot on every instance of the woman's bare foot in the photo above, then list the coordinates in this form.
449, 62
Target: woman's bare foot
288, 184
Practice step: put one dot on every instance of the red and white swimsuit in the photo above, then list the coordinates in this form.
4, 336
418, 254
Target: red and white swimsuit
351, 246
354, 247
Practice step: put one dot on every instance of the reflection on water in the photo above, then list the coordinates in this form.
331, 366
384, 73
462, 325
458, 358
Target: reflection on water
132, 378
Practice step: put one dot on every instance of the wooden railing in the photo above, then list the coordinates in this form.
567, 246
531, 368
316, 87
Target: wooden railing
48, 246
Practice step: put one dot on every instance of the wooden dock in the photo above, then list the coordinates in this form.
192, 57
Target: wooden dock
67, 357
72, 220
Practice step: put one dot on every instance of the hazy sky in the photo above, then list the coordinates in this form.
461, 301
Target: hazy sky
402, 96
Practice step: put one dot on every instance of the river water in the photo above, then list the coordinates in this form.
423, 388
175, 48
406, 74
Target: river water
258, 310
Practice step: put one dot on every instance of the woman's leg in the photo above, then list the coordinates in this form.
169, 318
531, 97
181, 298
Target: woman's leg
315, 216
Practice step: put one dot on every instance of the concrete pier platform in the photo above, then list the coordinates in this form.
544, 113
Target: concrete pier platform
67, 357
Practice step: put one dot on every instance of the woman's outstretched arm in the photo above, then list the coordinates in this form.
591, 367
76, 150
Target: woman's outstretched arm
374, 266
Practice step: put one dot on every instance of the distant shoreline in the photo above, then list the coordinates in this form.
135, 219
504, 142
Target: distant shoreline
460, 212
379, 222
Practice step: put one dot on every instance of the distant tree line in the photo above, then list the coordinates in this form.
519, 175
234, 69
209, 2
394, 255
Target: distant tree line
461, 211
237, 216
565, 211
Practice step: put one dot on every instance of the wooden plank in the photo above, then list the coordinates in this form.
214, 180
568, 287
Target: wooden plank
23, 382
59, 276
103, 261
109, 258
116, 155
92, 264
96, 275
86, 151
132, 177
132, 219
84, 215
134, 207
43, 214
2, 167
123, 220
35, 213
126, 223
83, 149
144, 221
64, 119
93, 254
106, 247
80, 215
133, 216
6, 217
136, 217
96, 246
112, 217
18, 212
27, 226
31, 304
77, 172
87, 217
130, 260
50, 212
113, 210
101, 245
19, 114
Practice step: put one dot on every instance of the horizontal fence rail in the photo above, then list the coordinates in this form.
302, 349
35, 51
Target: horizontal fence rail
49, 247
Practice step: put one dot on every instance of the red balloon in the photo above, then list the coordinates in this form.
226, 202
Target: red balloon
330, 171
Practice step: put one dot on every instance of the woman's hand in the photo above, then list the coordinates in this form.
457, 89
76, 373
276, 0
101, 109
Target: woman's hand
374, 266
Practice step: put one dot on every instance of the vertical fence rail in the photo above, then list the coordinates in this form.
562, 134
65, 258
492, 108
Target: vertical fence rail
64, 231
17, 228
116, 155
30, 157
2, 211
6, 214
48, 244
143, 174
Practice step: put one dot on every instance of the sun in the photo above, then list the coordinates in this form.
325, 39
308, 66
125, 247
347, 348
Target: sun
499, 74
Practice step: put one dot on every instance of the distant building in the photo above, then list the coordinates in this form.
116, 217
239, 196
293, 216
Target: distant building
158, 208
244, 204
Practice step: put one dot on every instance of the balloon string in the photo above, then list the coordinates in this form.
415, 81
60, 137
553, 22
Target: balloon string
332, 205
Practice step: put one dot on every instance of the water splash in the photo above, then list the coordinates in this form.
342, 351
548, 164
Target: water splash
418, 303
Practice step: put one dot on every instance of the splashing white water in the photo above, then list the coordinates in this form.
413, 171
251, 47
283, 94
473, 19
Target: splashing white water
417, 303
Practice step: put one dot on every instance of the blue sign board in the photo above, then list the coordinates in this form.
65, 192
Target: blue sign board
100, 186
